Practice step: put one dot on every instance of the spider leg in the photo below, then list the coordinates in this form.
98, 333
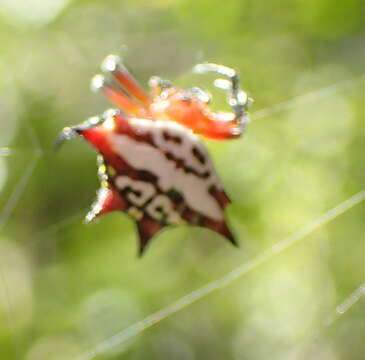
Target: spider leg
99, 83
237, 98
70, 132
112, 64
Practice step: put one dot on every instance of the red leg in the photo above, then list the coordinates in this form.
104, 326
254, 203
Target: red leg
112, 64
237, 99
116, 96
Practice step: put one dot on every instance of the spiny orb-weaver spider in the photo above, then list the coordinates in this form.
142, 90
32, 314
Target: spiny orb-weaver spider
152, 163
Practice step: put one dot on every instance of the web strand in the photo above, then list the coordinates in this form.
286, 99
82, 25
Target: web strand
33, 137
18, 190
54, 228
24, 179
5, 151
5, 214
347, 304
125, 335
311, 96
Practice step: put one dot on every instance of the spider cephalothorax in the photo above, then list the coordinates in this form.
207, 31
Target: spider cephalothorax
152, 163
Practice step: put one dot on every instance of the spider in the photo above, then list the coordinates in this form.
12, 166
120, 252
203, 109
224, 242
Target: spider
152, 163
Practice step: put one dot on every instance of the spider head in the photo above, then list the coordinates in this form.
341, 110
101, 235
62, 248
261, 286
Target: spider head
187, 107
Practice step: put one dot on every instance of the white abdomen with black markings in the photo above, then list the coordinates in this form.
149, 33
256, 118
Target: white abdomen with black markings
176, 157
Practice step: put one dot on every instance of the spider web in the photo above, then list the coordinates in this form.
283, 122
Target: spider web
137, 328
124, 336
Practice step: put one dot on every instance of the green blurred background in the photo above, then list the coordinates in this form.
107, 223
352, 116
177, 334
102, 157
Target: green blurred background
66, 286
